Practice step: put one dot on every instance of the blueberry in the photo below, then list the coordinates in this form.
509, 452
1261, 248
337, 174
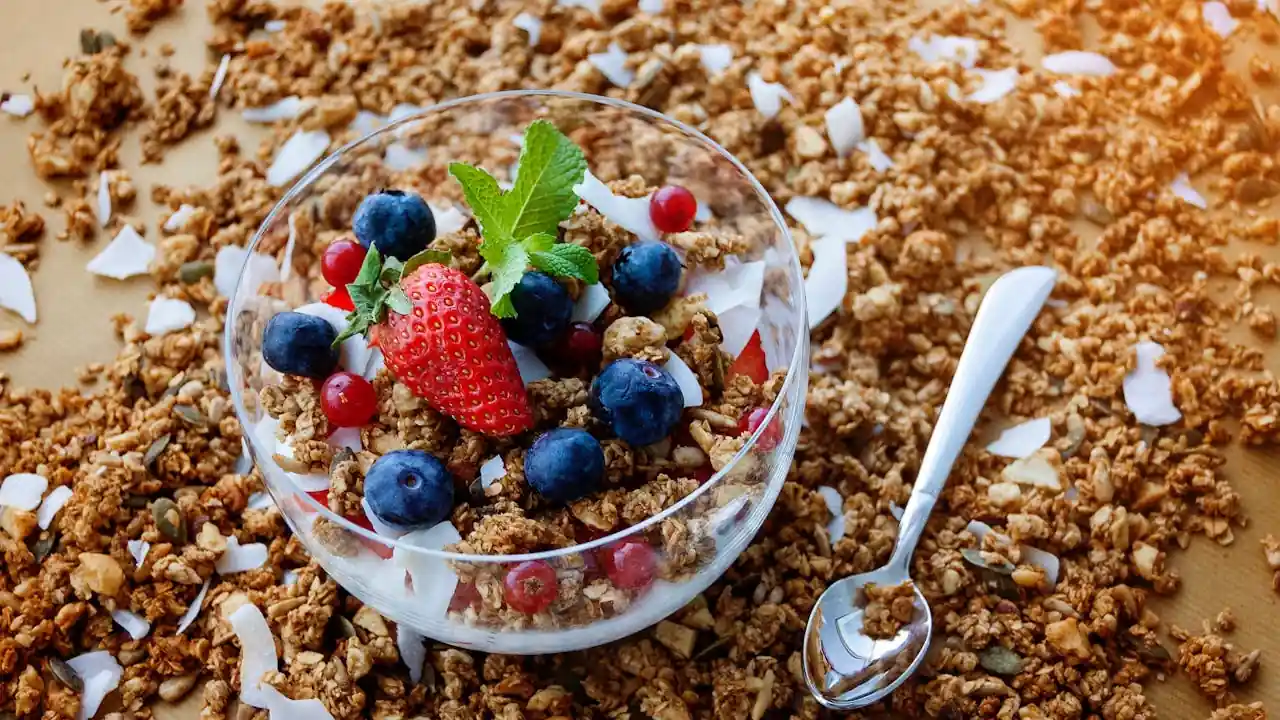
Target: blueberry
564, 465
409, 488
297, 344
543, 309
638, 399
645, 276
398, 223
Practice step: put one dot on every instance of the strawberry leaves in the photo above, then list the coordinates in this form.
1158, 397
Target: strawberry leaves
377, 289
519, 227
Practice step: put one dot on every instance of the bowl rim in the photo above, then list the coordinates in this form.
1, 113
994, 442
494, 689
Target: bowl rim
797, 369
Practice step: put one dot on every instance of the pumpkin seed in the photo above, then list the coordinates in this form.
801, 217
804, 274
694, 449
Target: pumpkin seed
1149, 651
713, 647
134, 387
93, 42
66, 675
345, 628
169, 520
157, 446
42, 547
190, 273
191, 416
975, 558
1000, 660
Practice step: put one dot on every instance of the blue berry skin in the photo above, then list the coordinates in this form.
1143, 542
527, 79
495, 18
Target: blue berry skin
298, 344
645, 276
409, 489
543, 308
638, 399
564, 465
398, 223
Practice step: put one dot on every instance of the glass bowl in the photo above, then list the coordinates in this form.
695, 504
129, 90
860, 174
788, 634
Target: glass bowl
457, 598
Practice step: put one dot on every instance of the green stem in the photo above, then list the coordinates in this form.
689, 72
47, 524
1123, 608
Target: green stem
481, 274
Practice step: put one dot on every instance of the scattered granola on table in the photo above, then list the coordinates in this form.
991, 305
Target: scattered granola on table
967, 173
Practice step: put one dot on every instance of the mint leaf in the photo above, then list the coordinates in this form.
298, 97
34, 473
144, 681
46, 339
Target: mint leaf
550, 165
538, 242
567, 260
398, 301
376, 288
486, 201
507, 272
371, 269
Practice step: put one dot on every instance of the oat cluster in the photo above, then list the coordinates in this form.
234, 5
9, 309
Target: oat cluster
1080, 180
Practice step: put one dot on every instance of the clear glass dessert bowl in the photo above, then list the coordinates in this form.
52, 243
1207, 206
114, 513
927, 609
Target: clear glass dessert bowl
427, 580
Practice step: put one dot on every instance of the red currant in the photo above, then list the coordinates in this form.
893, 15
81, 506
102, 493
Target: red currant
631, 564
582, 344
348, 400
672, 209
341, 262
339, 298
530, 587
464, 596
752, 421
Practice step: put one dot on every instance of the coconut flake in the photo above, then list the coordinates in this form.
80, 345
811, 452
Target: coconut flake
165, 315
22, 491
736, 326
593, 300
53, 502
1032, 556
449, 219
1035, 471
612, 63
703, 213
127, 255
1076, 62
945, 48
16, 293
101, 674
995, 85
283, 109
715, 58
239, 558
1181, 187
297, 154
876, 157
347, 437
845, 126
179, 218
686, 379
1022, 440
631, 214
193, 610
835, 505
103, 210
379, 526
399, 157
491, 471
1148, 392
402, 111
532, 369
133, 623
529, 24
257, 652
652, 7
413, 651
275, 26
231, 260
219, 76
592, 5
289, 577
433, 581
1218, 18
767, 96
736, 285
259, 501
1065, 89
138, 549
828, 279
18, 105
366, 122
824, 219
377, 362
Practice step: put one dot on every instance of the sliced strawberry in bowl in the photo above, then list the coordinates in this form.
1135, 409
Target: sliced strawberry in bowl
751, 361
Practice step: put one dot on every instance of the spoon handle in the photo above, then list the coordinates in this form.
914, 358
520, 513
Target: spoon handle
1007, 311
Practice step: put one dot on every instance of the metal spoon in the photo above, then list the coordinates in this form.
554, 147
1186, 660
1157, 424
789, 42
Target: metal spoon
844, 668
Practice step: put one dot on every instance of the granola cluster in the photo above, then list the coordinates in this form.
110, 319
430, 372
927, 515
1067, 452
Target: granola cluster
1073, 171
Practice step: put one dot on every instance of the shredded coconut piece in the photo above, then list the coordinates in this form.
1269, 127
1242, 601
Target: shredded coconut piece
531, 25
1148, 391
101, 675
347, 437
133, 623
380, 526
1076, 62
835, 505
284, 109
612, 63
275, 26
257, 653
532, 369
138, 549
824, 219
260, 501
1064, 89
492, 470
592, 5
715, 58
845, 126
179, 218
945, 48
103, 209
166, 315
1032, 556
18, 105
297, 154
631, 214
219, 76
738, 284
767, 96
16, 292
366, 122
399, 157
828, 279
652, 7
433, 581
593, 300
449, 218
193, 610
1218, 17
1022, 440
53, 502
686, 379
23, 491
413, 651
995, 85
876, 157
1182, 188
127, 255
232, 259
239, 558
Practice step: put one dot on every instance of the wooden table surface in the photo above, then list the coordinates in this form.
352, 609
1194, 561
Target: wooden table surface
75, 310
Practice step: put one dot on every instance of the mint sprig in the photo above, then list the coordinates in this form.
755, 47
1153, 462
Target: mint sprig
519, 227
377, 289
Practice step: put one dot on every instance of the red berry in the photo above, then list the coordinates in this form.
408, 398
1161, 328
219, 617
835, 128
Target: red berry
703, 474
530, 587
751, 361
752, 421
341, 262
631, 564
582, 344
672, 208
464, 596
339, 298
348, 400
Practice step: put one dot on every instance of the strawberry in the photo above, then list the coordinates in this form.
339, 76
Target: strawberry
751, 362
